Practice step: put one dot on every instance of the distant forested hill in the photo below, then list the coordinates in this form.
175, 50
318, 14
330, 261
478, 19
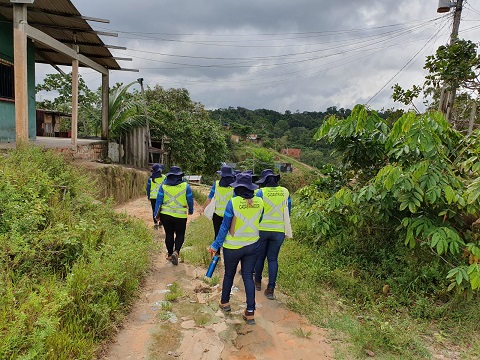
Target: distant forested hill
278, 131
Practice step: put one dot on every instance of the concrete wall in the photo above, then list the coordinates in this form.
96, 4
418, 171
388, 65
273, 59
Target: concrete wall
7, 108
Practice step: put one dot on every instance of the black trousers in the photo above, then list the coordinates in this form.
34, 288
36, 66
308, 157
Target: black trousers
174, 232
217, 222
152, 202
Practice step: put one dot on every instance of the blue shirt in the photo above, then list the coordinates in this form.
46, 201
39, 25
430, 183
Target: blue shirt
212, 191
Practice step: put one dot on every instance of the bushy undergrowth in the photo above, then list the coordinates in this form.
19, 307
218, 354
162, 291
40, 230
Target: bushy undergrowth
70, 266
391, 233
392, 305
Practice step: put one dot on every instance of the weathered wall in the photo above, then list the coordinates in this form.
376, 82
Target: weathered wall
121, 183
94, 151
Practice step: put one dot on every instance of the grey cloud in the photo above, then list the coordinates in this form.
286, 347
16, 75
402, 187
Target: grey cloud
227, 29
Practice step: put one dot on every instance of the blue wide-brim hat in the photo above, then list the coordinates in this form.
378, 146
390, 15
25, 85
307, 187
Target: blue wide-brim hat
175, 170
157, 167
245, 180
225, 171
265, 174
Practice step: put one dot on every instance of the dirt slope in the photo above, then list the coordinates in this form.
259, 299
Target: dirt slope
196, 329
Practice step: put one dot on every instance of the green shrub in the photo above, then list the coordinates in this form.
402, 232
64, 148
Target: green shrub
69, 266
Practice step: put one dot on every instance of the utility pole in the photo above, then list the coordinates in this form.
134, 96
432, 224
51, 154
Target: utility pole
140, 80
447, 97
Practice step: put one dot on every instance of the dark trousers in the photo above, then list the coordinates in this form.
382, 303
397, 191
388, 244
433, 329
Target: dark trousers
247, 256
174, 232
217, 222
152, 202
270, 243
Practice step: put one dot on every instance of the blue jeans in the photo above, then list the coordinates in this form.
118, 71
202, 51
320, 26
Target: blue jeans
270, 243
247, 256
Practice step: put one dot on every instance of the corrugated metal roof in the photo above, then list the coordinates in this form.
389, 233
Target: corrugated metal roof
62, 21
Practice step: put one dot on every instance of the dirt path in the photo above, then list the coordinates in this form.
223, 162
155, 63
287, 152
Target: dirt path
193, 328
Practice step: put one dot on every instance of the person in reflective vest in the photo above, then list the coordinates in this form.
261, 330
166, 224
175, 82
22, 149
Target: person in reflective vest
153, 184
239, 234
222, 192
174, 201
272, 228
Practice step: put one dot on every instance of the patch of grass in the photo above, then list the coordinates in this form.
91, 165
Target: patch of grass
166, 306
201, 314
301, 333
214, 280
175, 292
167, 338
202, 318
200, 193
198, 237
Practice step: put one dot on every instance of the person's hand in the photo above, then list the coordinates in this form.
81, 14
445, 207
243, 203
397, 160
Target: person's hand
212, 252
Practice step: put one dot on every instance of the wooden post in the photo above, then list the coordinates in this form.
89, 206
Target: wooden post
75, 96
447, 98
105, 96
149, 139
20, 73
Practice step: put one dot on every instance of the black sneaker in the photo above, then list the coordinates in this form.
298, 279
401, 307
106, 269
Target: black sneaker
258, 285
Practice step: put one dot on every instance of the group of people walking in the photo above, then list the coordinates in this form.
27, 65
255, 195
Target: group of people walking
252, 230
249, 222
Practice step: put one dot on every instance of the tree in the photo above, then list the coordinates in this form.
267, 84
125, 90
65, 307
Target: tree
419, 184
197, 143
259, 159
455, 66
88, 100
124, 111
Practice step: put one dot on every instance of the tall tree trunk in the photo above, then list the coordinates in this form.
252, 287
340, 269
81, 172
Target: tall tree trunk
472, 117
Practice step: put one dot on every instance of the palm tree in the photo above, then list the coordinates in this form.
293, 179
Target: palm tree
124, 113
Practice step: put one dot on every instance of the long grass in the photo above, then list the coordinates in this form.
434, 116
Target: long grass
69, 266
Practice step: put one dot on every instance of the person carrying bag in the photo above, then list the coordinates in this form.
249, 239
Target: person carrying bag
217, 200
239, 234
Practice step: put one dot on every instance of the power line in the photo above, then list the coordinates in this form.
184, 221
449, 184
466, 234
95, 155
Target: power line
403, 67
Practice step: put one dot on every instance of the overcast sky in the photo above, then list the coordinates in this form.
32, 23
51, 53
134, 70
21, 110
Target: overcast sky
303, 55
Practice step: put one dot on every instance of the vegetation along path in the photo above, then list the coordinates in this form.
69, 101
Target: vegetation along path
177, 316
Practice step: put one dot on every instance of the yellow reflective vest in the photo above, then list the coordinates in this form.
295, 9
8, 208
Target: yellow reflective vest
175, 200
222, 195
244, 228
155, 185
275, 200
